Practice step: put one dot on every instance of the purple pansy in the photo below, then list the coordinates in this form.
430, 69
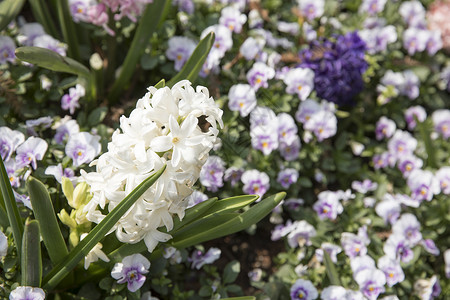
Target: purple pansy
299, 81
7, 48
423, 185
242, 98
131, 270
364, 186
233, 175
180, 49
391, 269
441, 121
259, 75
30, 151
412, 113
198, 259
443, 177
328, 205
70, 101
232, 18
385, 128
9, 141
303, 290
82, 148
211, 174
371, 283
255, 182
287, 177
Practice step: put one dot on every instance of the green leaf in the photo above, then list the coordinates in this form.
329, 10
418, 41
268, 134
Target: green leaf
331, 270
98, 233
42, 15
240, 222
231, 271
31, 263
51, 60
194, 64
9, 9
68, 28
148, 23
9, 202
97, 115
48, 223
160, 84
231, 204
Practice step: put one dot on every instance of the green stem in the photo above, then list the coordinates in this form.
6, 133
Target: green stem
3, 216
425, 133
147, 25
42, 14
68, 29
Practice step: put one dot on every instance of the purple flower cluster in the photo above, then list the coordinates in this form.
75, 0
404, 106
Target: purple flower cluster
338, 65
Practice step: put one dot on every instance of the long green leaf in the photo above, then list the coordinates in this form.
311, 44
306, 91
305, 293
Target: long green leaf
4, 222
45, 215
11, 207
241, 298
68, 28
231, 204
194, 64
9, 9
148, 23
42, 14
331, 270
51, 60
98, 233
242, 221
31, 262
190, 216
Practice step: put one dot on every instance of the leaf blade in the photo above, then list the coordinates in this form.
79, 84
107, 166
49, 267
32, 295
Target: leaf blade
51, 60
99, 231
9, 10
46, 217
31, 262
195, 62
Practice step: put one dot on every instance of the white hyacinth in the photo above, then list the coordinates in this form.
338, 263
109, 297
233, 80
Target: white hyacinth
176, 127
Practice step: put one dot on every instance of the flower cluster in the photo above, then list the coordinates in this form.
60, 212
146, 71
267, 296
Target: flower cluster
338, 65
176, 127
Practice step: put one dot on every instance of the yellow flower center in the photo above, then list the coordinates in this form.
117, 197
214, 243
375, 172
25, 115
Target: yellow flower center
423, 191
299, 88
79, 153
179, 57
265, 144
320, 130
258, 80
391, 275
231, 27
241, 104
175, 140
408, 167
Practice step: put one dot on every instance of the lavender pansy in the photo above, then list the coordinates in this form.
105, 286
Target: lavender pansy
385, 128
371, 283
441, 121
180, 49
233, 175
287, 129
311, 9
443, 177
255, 182
406, 164
211, 174
252, 47
331, 249
9, 141
290, 151
287, 177
27, 293
430, 247
300, 234
131, 271
264, 138
232, 18
364, 186
398, 248
30, 151
82, 148
323, 124
423, 185
242, 98
3, 244
412, 113
299, 81
7, 48
372, 7
413, 13
259, 75
198, 259
353, 244
303, 290
195, 198
389, 209
391, 269
70, 101
328, 205
409, 227
58, 172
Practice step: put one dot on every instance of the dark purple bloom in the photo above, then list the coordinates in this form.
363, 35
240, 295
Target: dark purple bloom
338, 65
287, 177
131, 271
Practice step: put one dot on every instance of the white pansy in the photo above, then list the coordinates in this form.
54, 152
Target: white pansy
176, 127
